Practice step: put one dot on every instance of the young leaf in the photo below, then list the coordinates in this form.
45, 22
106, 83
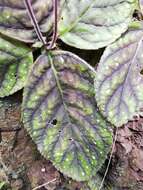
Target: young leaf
94, 24
119, 81
60, 114
15, 60
15, 21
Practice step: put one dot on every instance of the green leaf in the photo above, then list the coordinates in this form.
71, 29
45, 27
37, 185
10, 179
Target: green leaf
15, 21
2, 184
119, 81
92, 24
60, 114
15, 61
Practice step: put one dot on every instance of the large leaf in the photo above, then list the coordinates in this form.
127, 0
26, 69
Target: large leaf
60, 113
92, 24
15, 21
119, 83
15, 61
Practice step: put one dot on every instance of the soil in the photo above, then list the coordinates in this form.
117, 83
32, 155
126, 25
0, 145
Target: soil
23, 168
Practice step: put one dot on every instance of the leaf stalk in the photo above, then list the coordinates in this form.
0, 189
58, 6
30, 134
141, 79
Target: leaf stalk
34, 21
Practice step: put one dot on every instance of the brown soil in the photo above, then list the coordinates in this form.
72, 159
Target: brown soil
23, 168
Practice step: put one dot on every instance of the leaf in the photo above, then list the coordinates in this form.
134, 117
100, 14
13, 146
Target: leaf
15, 21
119, 81
60, 114
15, 61
92, 24
2, 184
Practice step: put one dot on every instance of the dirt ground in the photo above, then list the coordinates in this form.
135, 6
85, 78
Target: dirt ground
23, 168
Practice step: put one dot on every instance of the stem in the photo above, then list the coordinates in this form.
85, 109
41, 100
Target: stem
55, 27
36, 25
110, 158
34, 21
40, 186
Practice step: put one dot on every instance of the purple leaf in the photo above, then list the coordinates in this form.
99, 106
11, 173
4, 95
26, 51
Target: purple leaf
119, 81
60, 114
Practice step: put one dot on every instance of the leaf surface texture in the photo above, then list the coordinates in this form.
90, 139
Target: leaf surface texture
60, 114
92, 24
119, 81
15, 61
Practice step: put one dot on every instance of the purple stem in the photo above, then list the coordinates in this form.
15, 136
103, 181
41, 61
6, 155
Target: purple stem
36, 25
34, 21
55, 28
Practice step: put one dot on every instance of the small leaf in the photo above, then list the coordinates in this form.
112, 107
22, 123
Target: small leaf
92, 24
119, 81
15, 61
60, 114
15, 21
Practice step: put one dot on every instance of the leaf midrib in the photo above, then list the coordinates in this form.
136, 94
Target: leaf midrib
128, 71
59, 88
79, 18
129, 68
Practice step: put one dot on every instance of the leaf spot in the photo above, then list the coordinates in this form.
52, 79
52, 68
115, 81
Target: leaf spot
54, 122
83, 174
93, 157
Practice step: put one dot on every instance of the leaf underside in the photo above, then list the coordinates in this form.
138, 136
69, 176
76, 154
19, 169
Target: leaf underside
60, 114
15, 21
92, 24
15, 61
119, 81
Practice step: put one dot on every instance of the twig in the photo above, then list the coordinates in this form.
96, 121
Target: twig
9, 129
15, 140
110, 158
53, 180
